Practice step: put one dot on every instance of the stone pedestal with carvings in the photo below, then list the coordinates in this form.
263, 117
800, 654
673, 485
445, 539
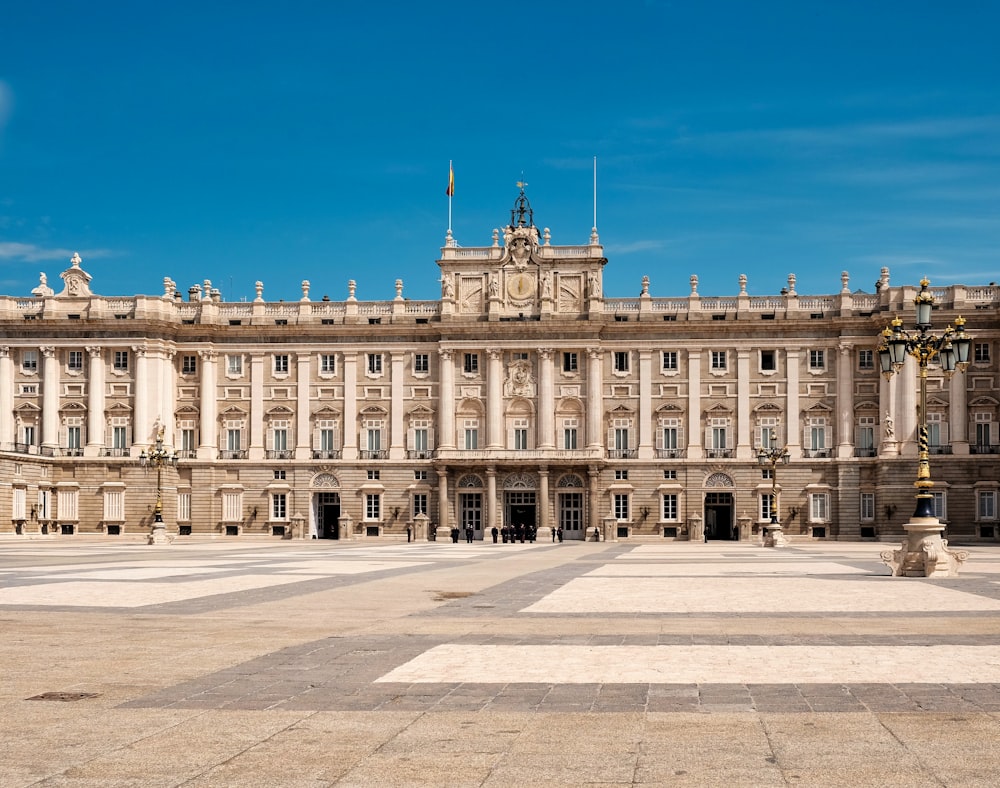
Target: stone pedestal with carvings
924, 553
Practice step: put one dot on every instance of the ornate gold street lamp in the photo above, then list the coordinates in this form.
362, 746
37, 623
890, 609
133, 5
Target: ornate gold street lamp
773, 455
924, 553
157, 457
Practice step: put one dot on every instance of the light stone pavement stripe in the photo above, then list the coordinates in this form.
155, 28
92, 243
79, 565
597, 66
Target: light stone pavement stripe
742, 664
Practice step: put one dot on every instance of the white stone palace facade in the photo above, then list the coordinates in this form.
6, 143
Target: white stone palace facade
523, 396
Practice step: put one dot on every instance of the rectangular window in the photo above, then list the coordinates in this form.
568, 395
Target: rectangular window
374, 440
669, 360
940, 505
234, 365
29, 361
768, 362
766, 506
621, 474
279, 437
934, 429
184, 506
374, 363
621, 506
279, 506
520, 439
987, 505
866, 359
670, 438
621, 360
670, 506
671, 474
621, 439
817, 359
719, 438
981, 352
817, 435
471, 438
570, 362
819, 507
718, 359
121, 360
189, 365
470, 363
281, 364
326, 443
327, 364
187, 440
232, 440
420, 476
119, 437
73, 438
373, 506
28, 434
421, 363
419, 504
569, 438
867, 506
984, 429
280, 475
420, 439
75, 360
374, 474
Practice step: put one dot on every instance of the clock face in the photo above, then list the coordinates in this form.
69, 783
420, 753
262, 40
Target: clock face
521, 285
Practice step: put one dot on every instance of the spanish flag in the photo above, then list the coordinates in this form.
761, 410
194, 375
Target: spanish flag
450, 191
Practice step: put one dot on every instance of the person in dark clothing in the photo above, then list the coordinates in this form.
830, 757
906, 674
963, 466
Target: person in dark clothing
454, 535
560, 533
495, 532
468, 534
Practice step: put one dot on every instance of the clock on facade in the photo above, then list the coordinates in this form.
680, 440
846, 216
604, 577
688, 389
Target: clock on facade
521, 285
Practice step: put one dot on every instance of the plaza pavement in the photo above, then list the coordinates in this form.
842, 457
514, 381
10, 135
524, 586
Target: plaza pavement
312, 663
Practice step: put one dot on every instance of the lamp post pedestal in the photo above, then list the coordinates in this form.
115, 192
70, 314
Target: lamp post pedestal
159, 533
775, 536
924, 553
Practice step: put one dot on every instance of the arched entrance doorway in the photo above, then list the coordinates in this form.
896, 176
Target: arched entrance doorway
325, 507
570, 506
719, 504
520, 506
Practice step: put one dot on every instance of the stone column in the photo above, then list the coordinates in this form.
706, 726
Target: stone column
50, 399
95, 403
142, 422
444, 521
544, 526
446, 403
494, 399
696, 435
255, 449
6, 399
646, 445
397, 424
845, 402
793, 412
958, 414
546, 400
593, 500
906, 423
744, 446
350, 447
208, 445
303, 381
595, 399
491, 501
167, 386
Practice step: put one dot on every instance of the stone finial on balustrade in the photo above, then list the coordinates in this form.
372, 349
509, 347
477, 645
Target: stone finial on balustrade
845, 282
594, 239
694, 284
546, 237
743, 284
884, 278
352, 288
194, 293
645, 286
169, 288
496, 237
399, 289
305, 289
259, 287
791, 285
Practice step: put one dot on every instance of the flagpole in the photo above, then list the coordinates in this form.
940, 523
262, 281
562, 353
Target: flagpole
451, 190
595, 192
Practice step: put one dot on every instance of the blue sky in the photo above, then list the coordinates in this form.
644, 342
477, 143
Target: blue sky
311, 140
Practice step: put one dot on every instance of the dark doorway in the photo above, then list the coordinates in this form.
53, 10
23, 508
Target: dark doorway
719, 517
328, 515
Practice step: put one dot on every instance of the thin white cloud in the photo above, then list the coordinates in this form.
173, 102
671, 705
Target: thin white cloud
31, 253
650, 245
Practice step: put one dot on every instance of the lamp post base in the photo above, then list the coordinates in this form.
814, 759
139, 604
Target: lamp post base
924, 553
159, 534
774, 536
